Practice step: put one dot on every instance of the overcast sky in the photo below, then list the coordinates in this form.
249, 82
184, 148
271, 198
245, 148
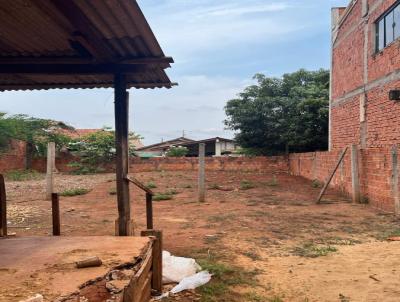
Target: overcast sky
218, 46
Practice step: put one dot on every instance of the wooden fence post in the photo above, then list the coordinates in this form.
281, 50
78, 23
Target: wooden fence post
149, 211
55, 211
355, 181
201, 185
3, 208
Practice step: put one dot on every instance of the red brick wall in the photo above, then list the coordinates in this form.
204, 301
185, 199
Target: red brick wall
251, 164
375, 173
382, 71
14, 158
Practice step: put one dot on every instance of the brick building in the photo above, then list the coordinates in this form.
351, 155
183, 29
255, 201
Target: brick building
365, 68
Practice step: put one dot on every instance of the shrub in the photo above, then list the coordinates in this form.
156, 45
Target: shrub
162, 196
246, 185
151, 185
178, 151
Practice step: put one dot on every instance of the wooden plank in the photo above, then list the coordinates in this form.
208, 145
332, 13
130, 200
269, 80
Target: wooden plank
139, 184
355, 181
55, 214
3, 207
149, 211
156, 283
75, 69
122, 160
133, 290
331, 175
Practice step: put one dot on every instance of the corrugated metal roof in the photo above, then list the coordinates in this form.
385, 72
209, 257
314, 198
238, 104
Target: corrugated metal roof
101, 31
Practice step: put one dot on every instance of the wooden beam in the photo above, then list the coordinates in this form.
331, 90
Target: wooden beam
74, 68
3, 208
139, 184
149, 211
85, 29
331, 175
122, 160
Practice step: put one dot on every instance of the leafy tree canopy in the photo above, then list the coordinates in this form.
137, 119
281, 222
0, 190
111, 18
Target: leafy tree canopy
177, 151
280, 113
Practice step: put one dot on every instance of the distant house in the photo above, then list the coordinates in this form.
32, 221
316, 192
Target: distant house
159, 149
215, 146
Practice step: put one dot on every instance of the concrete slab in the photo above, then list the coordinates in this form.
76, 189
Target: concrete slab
46, 265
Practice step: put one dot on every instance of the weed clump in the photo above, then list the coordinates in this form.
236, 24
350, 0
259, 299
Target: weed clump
74, 192
311, 250
151, 185
246, 185
23, 175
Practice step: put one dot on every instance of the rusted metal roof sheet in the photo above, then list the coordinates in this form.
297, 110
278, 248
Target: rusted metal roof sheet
101, 31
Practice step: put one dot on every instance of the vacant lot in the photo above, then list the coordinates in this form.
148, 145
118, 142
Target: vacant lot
260, 234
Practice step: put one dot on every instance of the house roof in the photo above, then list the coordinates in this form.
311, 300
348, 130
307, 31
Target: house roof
78, 44
176, 141
213, 139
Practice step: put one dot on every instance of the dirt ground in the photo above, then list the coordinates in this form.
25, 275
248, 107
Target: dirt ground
260, 234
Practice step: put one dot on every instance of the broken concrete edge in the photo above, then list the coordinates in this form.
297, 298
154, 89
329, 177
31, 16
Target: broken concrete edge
134, 265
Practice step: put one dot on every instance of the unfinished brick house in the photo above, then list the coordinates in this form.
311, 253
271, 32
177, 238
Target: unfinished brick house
365, 69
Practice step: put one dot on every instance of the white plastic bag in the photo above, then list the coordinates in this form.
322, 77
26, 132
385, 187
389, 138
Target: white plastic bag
192, 282
175, 269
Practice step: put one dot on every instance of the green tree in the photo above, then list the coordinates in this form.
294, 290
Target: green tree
177, 151
278, 114
35, 132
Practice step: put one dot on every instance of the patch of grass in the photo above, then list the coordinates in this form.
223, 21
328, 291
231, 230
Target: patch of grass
214, 187
275, 299
171, 192
311, 250
337, 241
246, 185
162, 196
254, 297
273, 182
316, 184
224, 278
253, 255
112, 191
187, 186
74, 192
151, 185
220, 217
385, 234
23, 175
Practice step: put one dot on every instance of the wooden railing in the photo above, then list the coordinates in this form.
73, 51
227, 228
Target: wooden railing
149, 200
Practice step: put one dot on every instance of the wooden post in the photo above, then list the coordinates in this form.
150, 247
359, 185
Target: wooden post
328, 181
395, 180
355, 182
156, 283
55, 213
149, 210
51, 153
3, 208
202, 154
122, 160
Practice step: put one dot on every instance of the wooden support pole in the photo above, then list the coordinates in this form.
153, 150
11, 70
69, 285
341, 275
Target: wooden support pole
149, 211
51, 153
156, 283
328, 181
55, 211
355, 181
3, 208
201, 184
122, 160
395, 180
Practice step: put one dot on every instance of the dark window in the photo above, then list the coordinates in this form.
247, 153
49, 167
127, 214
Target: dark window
388, 27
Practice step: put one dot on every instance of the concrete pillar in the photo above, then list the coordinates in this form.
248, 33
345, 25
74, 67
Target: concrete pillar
51, 154
395, 180
217, 148
355, 181
201, 185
